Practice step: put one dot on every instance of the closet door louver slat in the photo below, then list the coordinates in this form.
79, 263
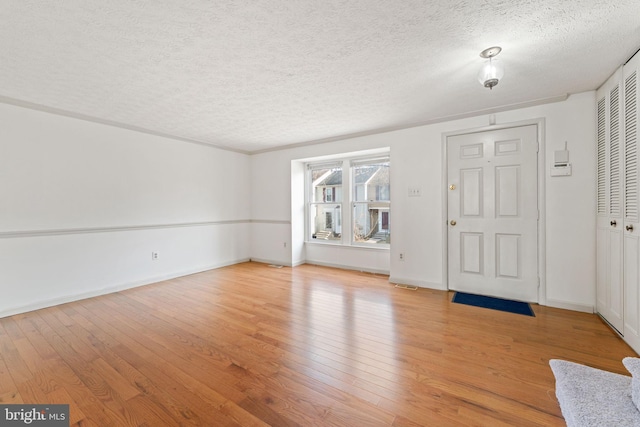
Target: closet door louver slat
631, 151
615, 200
602, 202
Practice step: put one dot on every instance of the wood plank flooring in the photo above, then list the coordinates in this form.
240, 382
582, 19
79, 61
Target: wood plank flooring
253, 345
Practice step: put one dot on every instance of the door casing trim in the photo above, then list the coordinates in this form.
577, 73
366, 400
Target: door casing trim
541, 187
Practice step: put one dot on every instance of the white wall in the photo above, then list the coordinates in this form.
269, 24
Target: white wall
417, 222
83, 205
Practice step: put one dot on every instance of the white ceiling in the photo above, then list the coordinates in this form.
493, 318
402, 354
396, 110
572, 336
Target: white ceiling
252, 75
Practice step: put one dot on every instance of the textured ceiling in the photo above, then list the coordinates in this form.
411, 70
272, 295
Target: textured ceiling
252, 75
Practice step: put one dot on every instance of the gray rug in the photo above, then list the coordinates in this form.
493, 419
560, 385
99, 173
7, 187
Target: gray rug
592, 397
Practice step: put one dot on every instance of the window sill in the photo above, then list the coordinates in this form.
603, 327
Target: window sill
340, 245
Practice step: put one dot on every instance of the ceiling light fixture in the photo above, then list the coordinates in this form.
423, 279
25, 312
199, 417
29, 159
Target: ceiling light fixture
492, 70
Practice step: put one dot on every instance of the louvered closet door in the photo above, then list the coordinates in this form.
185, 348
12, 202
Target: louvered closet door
610, 295
631, 207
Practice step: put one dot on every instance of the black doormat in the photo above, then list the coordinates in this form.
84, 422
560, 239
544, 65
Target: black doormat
493, 303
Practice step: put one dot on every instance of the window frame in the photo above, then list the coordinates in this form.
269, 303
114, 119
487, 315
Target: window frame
382, 205
311, 203
344, 220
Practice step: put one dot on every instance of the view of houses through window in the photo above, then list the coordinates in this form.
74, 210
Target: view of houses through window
361, 186
325, 204
371, 201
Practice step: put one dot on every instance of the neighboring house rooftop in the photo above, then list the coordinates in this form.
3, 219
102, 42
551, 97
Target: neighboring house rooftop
335, 178
363, 175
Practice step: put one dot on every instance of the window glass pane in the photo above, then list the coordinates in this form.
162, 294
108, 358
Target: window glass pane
371, 181
325, 221
326, 184
371, 223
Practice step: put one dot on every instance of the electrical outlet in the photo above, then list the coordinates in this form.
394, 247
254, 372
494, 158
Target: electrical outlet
155, 256
401, 256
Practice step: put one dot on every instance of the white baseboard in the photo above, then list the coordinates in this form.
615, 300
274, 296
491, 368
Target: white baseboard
323, 264
271, 262
111, 289
348, 267
418, 283
570, 306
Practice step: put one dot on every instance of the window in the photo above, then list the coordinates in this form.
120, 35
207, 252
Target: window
371, 201
325, 201
329, 194
328, 221
363, 186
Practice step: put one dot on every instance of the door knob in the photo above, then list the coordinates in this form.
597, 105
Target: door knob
452, 187
629, 227
613, 223
453, 222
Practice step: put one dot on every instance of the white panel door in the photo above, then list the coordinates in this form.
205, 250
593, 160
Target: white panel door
631, 230
610, 224
493, 213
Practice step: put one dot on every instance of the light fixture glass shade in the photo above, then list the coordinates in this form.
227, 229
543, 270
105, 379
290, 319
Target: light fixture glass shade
490, 73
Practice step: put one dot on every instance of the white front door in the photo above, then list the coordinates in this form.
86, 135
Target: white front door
493, 213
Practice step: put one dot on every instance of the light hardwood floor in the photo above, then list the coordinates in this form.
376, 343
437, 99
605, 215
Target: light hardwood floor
311, 346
